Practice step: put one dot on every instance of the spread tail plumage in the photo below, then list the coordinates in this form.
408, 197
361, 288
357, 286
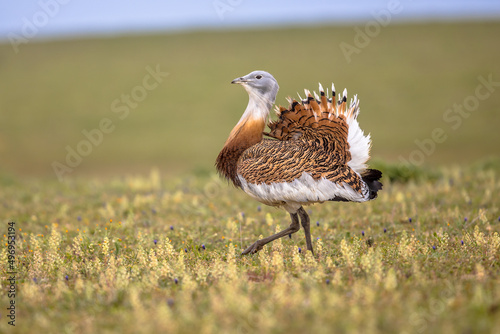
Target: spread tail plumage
325, 119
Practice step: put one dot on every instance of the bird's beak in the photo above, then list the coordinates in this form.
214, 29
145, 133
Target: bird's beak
239, 81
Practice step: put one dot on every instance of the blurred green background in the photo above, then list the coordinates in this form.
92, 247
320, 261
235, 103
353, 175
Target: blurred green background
406, 77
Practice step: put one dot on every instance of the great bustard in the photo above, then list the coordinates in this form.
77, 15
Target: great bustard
318, 153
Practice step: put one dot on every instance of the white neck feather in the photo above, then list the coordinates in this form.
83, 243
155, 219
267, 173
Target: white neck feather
258, 107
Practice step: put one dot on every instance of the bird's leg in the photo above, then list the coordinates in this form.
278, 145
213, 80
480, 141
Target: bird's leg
257, 246
304, 219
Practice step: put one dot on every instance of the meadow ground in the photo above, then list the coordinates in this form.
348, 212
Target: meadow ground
146, 255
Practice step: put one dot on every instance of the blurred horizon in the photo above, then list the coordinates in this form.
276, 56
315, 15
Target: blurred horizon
56, 19
148, 94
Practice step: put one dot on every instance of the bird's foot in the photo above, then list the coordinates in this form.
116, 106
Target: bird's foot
254, 248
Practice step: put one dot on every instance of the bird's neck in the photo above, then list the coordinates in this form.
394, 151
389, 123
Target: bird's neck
252, 122
246, 133
258, 105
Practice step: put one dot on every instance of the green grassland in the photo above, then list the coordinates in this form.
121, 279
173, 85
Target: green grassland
146, 254
406, 77
143, 237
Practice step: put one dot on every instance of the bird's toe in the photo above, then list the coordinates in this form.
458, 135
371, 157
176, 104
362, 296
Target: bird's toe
252, 249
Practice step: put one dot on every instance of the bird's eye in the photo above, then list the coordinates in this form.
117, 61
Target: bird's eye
259, 76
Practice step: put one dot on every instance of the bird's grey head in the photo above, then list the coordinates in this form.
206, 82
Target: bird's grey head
261, 84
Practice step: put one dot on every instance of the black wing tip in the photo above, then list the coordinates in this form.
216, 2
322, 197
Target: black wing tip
339, 199
371, 175
371, 178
